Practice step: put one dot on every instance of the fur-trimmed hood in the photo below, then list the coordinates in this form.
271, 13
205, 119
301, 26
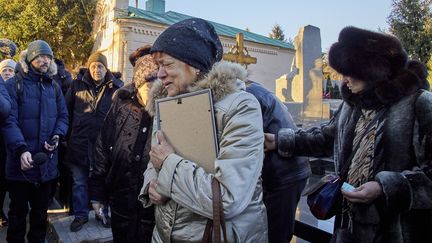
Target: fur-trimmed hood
128, 91
25, 66
224, 78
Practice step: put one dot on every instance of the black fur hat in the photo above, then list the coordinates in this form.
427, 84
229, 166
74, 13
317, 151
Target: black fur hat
379, 60
367, 55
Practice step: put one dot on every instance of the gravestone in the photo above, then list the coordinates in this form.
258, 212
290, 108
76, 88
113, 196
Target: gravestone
301, 88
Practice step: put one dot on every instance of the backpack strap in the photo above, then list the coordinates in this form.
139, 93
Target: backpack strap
19, 87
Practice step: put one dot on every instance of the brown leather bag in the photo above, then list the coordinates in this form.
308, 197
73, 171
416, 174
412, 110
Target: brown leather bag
218, 222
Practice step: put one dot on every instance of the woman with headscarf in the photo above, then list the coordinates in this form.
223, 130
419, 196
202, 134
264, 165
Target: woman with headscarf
122, 154
189, 55
383, 133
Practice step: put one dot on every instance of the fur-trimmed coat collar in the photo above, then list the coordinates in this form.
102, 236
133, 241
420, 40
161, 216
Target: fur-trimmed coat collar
25, 66
224, 78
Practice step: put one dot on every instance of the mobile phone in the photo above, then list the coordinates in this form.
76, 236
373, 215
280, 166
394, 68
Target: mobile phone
347, 187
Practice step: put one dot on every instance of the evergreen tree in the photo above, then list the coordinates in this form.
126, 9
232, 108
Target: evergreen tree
335, 92
66, 25
429, 66
277, 33
411, 22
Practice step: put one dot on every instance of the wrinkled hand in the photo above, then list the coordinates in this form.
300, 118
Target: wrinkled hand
26, 161
269, 142
160, 152
154, 196
55, 141
365, 193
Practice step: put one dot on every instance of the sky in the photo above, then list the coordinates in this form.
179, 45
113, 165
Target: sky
260, 16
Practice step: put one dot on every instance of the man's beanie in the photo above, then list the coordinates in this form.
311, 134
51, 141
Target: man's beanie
7, 63
36, 48
97, 57
367, 55
7, 48
193, 41
145, 69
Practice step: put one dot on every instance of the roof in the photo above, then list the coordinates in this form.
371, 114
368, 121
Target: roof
172, 17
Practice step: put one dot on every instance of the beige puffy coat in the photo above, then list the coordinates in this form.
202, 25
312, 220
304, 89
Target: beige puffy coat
238, 169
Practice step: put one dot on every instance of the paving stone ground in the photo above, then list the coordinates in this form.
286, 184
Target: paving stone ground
58, 229
91, 232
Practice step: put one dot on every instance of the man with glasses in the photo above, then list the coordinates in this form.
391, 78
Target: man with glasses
37, 120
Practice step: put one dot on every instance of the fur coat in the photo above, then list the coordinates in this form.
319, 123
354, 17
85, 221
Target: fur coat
402, 166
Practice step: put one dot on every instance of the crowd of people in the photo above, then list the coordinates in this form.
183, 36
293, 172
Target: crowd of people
103, 135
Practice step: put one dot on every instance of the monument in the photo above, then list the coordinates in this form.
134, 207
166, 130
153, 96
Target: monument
301, 88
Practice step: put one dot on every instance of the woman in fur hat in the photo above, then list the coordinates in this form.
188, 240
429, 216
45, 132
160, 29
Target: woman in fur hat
122, 154
189, 55
383, 130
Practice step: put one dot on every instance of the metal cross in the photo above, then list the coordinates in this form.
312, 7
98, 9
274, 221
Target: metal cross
238, 53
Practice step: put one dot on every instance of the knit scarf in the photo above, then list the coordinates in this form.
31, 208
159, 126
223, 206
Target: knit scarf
361, 168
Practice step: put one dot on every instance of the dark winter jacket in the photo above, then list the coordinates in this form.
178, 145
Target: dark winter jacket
5, 105
402, 162
5, 108
63, 77
88, 105
38, 113
278, 171
122, 157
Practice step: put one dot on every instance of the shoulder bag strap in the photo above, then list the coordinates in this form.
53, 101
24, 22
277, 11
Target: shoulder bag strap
218, 221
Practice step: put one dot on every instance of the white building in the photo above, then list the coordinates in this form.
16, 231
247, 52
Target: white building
120, 29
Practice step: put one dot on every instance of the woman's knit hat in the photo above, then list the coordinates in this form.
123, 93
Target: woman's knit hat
193, 41
145, 69
7, 63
